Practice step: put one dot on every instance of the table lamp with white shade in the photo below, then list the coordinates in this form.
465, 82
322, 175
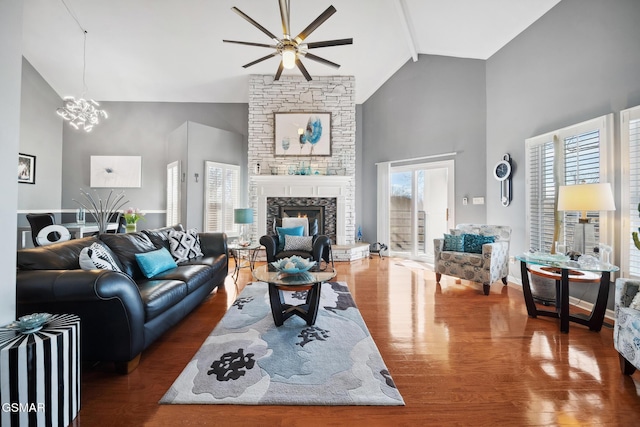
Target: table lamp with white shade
585, 198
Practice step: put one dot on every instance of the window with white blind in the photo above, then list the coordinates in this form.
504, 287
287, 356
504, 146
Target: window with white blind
221, 197
630, 150
173, 193
574, 155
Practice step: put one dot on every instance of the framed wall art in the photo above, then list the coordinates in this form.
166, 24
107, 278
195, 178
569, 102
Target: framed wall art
26, 168
116, 171
302, 134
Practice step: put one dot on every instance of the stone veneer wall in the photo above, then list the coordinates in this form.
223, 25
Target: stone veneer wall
335, 94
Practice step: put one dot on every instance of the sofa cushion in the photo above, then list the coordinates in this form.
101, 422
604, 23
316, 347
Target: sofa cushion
184, 245
472, 243
635, 303
193, 275
98, 257
462, 258
154, 262
160, 295
59, 256
216, 261
126, 246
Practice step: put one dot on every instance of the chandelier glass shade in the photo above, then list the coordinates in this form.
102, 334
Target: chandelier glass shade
81, 113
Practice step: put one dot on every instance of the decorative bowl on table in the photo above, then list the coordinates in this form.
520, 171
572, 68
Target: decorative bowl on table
30, 323
293, 265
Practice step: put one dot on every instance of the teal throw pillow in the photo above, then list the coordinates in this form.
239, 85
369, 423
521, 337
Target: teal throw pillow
473, 242
453, 243
292, 231
155, 262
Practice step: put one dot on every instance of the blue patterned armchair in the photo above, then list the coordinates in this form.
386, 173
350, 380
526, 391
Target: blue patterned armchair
626, 330
486, 267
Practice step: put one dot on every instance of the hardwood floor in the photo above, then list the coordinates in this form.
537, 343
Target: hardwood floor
458, 357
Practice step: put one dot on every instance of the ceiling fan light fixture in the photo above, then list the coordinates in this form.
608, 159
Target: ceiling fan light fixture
289, 58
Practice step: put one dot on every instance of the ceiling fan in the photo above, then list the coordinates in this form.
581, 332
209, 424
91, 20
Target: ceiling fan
292, 49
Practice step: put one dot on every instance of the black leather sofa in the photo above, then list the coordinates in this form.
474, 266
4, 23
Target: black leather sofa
121, 313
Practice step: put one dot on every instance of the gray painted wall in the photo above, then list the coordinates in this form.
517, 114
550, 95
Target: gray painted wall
433, 106
579, 61
41, 136
140, 129
10, 77
216, 145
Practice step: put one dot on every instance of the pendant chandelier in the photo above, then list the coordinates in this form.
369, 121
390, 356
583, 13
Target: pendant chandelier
81, 113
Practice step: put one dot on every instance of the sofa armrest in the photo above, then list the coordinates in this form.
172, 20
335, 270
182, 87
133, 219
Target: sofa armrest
496, 253
438, 246
108, 303
270, 244
626, 290
213, 243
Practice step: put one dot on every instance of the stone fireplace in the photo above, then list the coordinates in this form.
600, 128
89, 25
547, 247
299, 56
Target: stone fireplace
328, 194
334, 175
324, 209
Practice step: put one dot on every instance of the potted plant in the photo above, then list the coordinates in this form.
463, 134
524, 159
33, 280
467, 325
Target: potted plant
132, 216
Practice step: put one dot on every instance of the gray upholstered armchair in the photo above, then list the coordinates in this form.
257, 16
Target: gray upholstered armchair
483, 261
626, 329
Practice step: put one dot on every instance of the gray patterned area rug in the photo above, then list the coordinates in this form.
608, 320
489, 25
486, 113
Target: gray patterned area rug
247, 360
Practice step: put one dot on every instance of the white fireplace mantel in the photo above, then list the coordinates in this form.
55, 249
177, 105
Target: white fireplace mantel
302, 186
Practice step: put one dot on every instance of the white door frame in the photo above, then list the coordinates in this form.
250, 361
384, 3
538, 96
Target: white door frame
449, 165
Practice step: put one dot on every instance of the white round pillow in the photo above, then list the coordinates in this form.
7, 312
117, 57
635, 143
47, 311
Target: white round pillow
46, 234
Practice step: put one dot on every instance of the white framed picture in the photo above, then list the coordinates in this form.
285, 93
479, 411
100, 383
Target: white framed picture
116, 171
302, 134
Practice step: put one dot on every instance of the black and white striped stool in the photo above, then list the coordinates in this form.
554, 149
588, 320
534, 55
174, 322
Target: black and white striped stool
40, 374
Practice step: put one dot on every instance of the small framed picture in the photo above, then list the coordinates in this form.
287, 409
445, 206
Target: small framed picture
302, 134
26, 168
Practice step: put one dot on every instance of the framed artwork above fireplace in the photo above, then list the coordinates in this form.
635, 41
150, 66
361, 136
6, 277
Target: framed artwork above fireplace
302, 134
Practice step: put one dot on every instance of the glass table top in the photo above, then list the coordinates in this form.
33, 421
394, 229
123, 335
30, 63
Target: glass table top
266, 273
563, 261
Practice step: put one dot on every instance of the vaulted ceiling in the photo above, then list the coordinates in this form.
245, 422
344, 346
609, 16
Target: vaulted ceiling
172, 50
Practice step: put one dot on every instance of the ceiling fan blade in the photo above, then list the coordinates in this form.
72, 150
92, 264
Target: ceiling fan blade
279, 72
315, 24
255, 24
303, 70
251, 43
329, 43
264, 58
285, 15
321, 60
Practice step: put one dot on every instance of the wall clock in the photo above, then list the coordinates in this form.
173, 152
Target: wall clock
502, 172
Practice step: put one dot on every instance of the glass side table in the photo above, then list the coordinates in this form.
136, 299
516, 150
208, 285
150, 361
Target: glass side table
240, 253
565, 267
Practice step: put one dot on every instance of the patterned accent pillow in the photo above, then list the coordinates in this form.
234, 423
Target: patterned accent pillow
453, 243
473, 242
97, 257
184, 245
298, 243
635, 304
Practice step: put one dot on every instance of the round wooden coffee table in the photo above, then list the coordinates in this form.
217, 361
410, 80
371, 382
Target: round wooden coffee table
309, 281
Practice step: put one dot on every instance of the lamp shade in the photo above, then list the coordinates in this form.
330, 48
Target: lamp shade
243, 216
586, 197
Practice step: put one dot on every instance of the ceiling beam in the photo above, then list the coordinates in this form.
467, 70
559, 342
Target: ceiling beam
401, 7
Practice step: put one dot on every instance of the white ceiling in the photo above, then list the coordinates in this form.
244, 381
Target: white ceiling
172, 50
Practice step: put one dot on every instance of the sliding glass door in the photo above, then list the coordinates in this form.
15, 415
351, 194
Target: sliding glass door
420, 207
